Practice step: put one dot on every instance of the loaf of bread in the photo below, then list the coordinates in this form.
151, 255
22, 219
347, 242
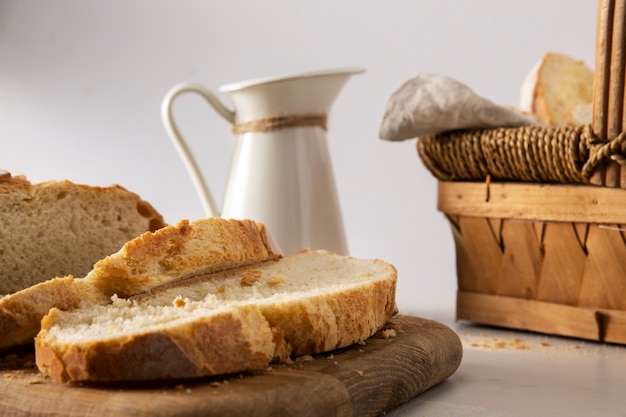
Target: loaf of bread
59, 228
154, 258
231, 321
558, 91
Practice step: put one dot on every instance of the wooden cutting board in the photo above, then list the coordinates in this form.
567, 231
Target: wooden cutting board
363, 380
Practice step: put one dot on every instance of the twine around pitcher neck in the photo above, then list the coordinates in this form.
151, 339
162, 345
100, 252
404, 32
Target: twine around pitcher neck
269, 124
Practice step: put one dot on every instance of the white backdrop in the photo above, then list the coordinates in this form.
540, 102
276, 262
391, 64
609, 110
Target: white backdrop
81, 83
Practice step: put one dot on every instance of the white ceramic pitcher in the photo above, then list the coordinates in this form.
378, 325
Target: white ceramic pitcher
281, 172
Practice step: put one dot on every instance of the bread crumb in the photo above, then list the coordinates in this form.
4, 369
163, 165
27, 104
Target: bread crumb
304, 358
388, 333
179, 302
503, 343
250, 276
275, 280
397, 327
359, 372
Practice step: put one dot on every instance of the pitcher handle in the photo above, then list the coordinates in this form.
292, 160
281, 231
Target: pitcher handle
180, 144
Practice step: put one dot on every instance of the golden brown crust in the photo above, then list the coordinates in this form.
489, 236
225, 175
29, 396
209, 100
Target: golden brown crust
166, 354
21, 312
142, 207
325, 323
7, 179
182, 251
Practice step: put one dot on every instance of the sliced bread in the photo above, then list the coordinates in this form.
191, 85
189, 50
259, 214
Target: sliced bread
21, 312
152, 259
182, 251
558, 91
231, 321
59, 228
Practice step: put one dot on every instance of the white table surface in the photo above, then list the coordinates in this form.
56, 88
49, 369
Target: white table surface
507, 373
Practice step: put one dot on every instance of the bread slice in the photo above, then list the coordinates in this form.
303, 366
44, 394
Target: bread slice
59, 228
152, 259
21, 313
231, 321
182, 251
558, 91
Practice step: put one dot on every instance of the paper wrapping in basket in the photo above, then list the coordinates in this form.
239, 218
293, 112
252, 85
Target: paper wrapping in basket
429, 104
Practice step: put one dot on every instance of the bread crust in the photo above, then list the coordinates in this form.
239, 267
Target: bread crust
21, 313
168, 354
182, 251
325, 323
59, 228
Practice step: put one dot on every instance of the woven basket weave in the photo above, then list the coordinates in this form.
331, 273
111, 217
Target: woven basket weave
568, 155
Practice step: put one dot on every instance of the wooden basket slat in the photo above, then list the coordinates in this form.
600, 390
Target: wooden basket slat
613, 174
480, 255
551, 318
604, 281
522, 260
563, 264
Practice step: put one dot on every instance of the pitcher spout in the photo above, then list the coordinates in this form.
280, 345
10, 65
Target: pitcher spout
295, 94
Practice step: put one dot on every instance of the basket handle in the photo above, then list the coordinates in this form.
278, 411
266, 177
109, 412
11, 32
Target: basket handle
609, 117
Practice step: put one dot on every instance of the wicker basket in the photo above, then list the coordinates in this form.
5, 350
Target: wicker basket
538, 214
547, 258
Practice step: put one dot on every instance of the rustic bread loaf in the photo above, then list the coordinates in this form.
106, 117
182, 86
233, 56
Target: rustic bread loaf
230, 321
166, 255
558, 91
59, 228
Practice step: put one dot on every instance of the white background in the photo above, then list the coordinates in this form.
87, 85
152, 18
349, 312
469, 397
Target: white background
81, 83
